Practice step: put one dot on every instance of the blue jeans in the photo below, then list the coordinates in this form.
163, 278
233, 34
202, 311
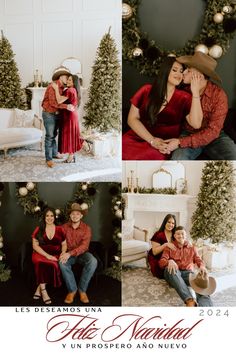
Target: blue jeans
222, 148
180, 282
51, 124
89, 263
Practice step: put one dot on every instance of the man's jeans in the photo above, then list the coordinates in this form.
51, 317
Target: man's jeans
89, 264
222, 148
51, 124
180, 282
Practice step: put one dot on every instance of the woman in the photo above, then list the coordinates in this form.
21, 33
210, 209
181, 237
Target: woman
48, 243
160, 240
158, 111
69, 137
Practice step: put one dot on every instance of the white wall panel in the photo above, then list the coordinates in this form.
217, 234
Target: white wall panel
95, 5
22, 7
61, 6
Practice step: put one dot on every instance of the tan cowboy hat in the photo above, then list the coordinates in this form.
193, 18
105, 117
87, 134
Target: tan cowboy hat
202, 62
77, 207
202, 284
61, 70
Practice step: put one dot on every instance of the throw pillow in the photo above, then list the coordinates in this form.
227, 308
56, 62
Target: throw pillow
127, 229
23, 119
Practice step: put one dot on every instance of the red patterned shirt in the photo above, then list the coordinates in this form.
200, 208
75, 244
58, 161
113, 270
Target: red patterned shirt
77, 239
49, 103
185, 256
215, 106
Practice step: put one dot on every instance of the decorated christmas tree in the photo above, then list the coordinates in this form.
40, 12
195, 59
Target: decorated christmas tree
4, 272
215, 216
11, 94
102, 111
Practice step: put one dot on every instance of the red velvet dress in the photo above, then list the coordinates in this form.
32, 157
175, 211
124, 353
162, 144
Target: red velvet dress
48, 271
153, 261
69, 135
168, 125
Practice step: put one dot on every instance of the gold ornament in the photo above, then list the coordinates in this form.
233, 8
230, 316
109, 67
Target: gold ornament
171, 55
116, 207
30, 186
137, 52
215, 51
202, 48
23, 191
127, 11
227, 9
57, 212
118, 214
119, 234
84, 206
36, 209
84, 187
1, 244
218, 17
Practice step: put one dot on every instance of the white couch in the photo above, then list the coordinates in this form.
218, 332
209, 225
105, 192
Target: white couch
19, 128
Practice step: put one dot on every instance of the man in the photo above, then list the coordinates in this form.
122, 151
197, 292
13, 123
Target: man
209, 139
51, 114
78, 236
179, 264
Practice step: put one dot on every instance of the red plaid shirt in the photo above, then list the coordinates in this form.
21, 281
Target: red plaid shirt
49, 103
215, 106
77, 239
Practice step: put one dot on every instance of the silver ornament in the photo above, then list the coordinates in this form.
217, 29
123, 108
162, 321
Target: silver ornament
84, 206
30, 186
201, 48
216, 51
127, 11
227, 9
137, 52
23, 191
57, 211
218, 17
36, 209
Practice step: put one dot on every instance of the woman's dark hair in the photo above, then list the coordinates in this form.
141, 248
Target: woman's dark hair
158, 91
164, 222
76, 84
42, 225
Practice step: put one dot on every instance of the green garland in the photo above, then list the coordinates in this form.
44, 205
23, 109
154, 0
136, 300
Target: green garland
147, 56
29, 199
144, 190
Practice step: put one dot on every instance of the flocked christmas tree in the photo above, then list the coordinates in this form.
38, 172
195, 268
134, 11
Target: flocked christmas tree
215, 215
11, 93
4, 272
103, 109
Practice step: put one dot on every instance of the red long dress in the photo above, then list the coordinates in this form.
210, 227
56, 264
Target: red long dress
153, 261
48, 271
168, 125
69, 135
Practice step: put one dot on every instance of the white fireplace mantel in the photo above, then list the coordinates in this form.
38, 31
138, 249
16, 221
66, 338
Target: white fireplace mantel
178, 203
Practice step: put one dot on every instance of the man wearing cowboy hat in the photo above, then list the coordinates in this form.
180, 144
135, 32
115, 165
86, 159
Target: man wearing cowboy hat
209, 138
179, 266
51, 114
78, 237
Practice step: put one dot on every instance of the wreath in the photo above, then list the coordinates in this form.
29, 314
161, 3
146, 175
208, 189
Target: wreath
219, 25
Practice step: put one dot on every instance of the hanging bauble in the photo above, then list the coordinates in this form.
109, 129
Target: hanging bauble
127, 11
84, 187
23, 191
84, 206
118, 202
116, 207
36, 209
30, 186
57, 212
171, 55
227, 9
218, 17
118, 213
137, 52
117, 258
119, 234
201, 48
215, 51
1, 244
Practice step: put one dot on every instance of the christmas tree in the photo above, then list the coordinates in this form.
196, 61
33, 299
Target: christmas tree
4, 272
102, 111
215, 215
11, 94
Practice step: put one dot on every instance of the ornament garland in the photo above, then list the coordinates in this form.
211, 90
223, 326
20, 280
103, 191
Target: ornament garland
145, 190
219, 25
29, 199
5, 272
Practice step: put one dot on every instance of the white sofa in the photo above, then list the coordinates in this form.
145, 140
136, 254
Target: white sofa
19, 128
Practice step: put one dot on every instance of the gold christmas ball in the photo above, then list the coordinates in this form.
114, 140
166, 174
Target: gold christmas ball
127, 11
227, 9
84, 187
171, 55
118, 213
57, 211
119, 234
1, 244
84, 206
215, 51
30, 186
137, 52
218, 17
36, 209
23, 191
116, 207
201, 48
